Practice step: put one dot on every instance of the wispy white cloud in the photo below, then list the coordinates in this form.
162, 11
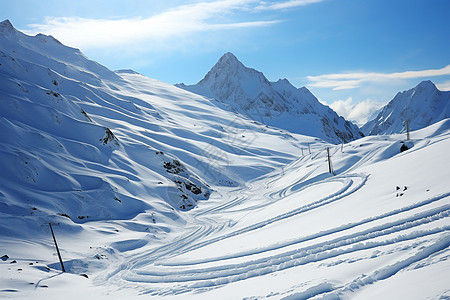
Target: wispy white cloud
244, 24
286, 4
174, 23
358, 113
444, 86
354, 80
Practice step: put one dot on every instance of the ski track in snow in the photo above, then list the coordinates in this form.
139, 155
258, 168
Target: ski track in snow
161, 267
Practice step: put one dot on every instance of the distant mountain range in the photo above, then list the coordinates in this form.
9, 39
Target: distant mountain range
420, 106
277, 104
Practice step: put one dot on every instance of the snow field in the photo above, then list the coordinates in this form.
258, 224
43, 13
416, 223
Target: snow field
156, 191
384, 233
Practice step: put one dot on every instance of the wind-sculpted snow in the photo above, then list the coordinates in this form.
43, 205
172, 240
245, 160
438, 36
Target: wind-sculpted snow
155, 191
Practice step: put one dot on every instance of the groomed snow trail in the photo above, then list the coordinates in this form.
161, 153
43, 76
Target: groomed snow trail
224, 243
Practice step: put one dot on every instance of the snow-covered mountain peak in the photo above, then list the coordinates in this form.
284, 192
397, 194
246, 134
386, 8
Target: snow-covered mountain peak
227, 64
229, 74
425, 86
229, 59
13, 39
47, 39
6, 27
278, 104
230, 64
284, 81
422, 106
23, 50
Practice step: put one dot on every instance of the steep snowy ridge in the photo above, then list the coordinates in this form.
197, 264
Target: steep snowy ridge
83, 143
59, 162
277, 104
421, 106
48, 52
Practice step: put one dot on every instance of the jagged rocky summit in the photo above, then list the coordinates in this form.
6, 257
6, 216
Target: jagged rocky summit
279, 104
421, 106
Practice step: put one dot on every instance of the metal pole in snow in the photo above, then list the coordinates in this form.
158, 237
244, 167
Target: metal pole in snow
330, 169
57, 249
302, 151
407, 130
309, 149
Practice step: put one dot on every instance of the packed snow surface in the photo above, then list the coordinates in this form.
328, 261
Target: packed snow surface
420, 106
153, 191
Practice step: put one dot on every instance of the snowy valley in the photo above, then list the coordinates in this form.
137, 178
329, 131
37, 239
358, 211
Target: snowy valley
157, 191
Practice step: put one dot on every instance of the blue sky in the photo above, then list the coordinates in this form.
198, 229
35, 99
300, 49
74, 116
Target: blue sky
355, 55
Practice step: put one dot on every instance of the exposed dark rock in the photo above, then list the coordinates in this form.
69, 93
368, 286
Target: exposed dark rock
403, 148
174, 167
193, 188
63, 215
109, 137
86, 115
55, 94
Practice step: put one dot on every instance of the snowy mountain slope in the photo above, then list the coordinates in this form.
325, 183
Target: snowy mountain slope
383, 220
53, 149
276, 224
378, 229
80, 144
278, 104
422, 106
